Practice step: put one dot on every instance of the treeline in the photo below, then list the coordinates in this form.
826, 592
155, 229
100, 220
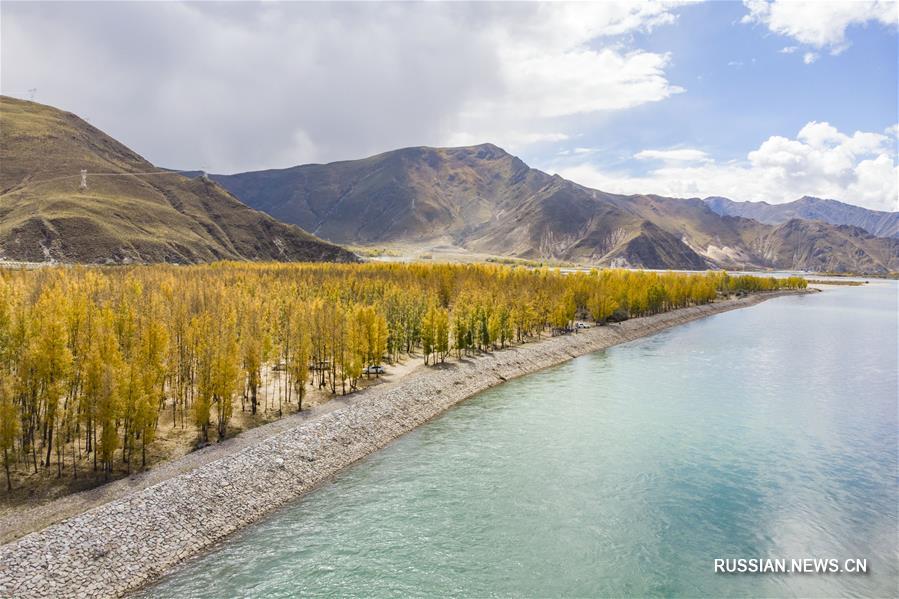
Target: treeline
90, 358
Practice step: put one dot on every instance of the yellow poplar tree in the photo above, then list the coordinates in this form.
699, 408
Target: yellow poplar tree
9, 425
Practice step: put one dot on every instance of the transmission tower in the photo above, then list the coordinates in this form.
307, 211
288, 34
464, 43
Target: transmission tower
31, 93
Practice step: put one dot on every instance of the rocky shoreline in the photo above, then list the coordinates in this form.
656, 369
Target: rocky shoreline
126, 543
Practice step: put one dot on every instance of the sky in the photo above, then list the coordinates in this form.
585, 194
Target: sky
763, 100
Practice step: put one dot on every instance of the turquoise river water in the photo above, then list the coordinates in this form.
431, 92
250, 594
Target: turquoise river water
767, 432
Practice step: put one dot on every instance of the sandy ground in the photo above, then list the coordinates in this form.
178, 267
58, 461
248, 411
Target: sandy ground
440, 250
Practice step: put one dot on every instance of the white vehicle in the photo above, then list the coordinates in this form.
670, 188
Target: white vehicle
374, 369
583, 325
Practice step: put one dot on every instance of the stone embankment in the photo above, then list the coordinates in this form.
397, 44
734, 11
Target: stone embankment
122, 545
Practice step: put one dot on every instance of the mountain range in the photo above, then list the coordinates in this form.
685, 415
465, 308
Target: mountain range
480, 199
875, 222
485, 200
130, 211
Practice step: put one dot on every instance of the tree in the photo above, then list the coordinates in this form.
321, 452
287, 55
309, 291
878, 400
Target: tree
298, 363
429, 333
9, 425
205, 380
252, 350
101, 389
441, 334
563, 312
52, 361
95, 357
601, 306
153, 349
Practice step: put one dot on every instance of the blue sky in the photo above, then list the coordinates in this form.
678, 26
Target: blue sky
637, 97
740, 90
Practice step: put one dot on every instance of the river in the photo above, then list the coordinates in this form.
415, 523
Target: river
767, 432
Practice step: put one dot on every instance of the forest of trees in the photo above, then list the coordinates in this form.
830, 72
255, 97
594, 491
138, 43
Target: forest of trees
91, 357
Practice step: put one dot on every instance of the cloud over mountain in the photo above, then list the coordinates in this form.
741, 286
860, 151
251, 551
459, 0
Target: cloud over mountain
263, 85
860, 168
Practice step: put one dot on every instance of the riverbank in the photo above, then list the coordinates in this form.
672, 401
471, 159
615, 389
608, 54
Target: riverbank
126, 543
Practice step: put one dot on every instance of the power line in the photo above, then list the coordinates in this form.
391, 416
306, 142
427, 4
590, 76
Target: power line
83, 175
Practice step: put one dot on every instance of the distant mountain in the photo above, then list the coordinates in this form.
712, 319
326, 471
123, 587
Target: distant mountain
818, 246
409, 194
875, 222
121, 216
486, 200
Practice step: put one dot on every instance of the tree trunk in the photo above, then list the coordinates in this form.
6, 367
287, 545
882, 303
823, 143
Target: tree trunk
49, 444
6, 467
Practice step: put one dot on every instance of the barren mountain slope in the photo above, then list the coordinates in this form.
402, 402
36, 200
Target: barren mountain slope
486, 200
875, 222
121, 216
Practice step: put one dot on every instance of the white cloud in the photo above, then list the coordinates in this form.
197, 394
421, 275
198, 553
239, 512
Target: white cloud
577, 151
788, 49
576, 80
809, 57
676, 155
548, 69
822, 161
875, 183
817, 23
240, 86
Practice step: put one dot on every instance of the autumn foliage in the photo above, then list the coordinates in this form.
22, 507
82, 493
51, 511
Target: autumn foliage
91, 357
